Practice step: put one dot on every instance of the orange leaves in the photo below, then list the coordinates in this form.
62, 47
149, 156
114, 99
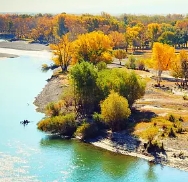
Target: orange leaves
117, 39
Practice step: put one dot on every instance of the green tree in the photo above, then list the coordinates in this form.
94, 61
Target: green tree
60, 26
84, 77
122, 81
154, 31
167, 38
115, 111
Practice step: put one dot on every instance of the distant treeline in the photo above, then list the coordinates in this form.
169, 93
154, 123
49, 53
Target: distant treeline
136, 31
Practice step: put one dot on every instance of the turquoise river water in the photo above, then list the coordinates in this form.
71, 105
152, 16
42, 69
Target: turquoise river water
28, 155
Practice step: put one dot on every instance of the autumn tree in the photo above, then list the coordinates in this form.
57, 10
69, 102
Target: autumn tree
120, 54
75, 25
162, 57
118, 39
154, 30
184, 65
167, 38
131, 35
115, 111
59, 26
175, 69
62, 52
179, 68
93, 47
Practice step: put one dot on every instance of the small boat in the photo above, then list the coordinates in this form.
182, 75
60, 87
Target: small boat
25, 122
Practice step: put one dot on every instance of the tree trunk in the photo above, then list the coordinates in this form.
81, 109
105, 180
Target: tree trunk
159, 77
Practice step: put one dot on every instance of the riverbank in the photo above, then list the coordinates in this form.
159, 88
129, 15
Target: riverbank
23, 45
123, 142
18, 48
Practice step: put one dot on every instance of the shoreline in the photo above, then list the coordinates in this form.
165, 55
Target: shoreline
23, 48
51, 92
122, 143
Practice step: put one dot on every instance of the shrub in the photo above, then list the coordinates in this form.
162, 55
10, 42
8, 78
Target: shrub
63, 125
53, 109
68, 99
115, 111
140, 64
97, 119
131, 62
178, 127
172, 118
180, 119
150, 134
45, 67
172, 133
185, 97
155, 146
101, 65
122, 81
86, 131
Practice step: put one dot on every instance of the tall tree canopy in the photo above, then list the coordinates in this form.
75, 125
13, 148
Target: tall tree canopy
93, 47
62, 52
162, 57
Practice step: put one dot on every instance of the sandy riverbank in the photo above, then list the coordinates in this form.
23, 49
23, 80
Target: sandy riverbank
23, 45
23, 48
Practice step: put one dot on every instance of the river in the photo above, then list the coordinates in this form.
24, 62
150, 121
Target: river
28, 155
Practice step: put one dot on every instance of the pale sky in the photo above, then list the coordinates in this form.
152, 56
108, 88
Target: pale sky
96, 6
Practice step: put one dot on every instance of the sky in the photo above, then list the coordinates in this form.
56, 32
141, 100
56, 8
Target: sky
114, 7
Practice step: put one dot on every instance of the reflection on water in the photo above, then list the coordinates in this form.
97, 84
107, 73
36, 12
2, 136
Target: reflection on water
28, 155
150, 173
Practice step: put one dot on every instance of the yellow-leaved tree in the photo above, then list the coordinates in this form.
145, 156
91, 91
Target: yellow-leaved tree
154, 30
179, 68
115, 111
163, 56
120, 54
184, 65
62, 52
93, 47
118, 39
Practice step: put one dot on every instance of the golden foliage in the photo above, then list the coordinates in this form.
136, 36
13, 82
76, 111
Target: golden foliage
115, 110
62, 52
150, 133
93, 47
120, 54
117, 38
163, 56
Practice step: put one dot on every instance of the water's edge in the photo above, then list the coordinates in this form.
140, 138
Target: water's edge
53, 90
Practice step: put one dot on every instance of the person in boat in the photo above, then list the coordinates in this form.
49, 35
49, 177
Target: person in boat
25, 122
